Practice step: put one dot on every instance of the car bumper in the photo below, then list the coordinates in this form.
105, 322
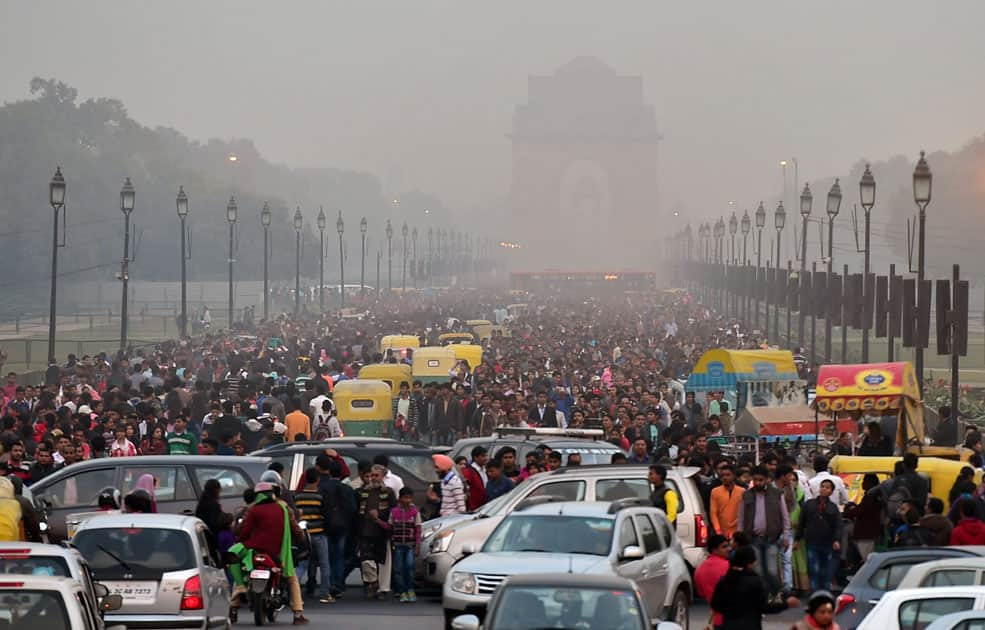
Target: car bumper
695, 556
163, 622
437, 566
464, 602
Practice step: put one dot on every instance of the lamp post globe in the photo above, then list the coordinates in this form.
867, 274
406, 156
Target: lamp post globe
232, 210
922, 182
833, 205
745, 222
265, 215
760, 216
181, 203
56, 189
127, 196
322, 221
867, 189
298, 220
779, 217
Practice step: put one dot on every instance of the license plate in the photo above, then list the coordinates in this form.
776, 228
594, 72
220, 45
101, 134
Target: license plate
259, 574
133, 591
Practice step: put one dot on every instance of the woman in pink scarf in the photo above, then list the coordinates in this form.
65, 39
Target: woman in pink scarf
146, 483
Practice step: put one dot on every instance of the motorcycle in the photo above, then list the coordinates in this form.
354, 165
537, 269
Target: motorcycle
268, 590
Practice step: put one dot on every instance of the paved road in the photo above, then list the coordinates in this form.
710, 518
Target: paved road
355, 613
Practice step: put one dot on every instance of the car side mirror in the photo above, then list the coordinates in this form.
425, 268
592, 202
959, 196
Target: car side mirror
100, 590
111, 602
465, 622
468, 549
632, 552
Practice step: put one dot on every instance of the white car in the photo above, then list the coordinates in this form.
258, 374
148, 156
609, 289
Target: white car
916, 608
624, 538
968, 620
51, 603
968, 571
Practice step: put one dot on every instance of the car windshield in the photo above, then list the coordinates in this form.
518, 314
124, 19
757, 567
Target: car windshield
552, 534
135, 553
533, 607
37, 610
24, 564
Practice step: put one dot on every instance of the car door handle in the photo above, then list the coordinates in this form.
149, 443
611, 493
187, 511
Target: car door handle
188, 512
872, 602
644, 572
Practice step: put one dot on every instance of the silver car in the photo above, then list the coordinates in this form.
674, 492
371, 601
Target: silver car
445, 538
164, 567
623, 538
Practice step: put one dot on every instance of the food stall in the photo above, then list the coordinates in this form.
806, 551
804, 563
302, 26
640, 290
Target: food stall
886, 393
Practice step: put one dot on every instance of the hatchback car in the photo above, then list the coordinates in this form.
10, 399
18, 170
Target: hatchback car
446, 537
48, 603
64, 560
967, 620
550, 600
410, 461
622, 538
162, 564
917, 608
179, 479
968, 571
883, 572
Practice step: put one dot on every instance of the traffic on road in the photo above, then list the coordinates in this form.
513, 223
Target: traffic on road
576, 463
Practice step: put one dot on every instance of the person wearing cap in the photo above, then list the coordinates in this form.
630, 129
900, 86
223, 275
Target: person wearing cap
452, 487
820, 613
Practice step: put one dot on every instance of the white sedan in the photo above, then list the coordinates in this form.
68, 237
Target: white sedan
916, 608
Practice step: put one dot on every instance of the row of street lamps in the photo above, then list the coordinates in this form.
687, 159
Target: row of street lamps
460, 242
922, 183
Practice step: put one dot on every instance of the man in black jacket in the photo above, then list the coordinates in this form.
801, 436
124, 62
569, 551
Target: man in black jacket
820, 529
741, 596
339, 507
542, 415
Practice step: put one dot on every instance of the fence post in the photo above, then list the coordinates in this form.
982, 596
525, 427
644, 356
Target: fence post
17, 324
80, 349
91, 322
27, 353
109, 316
76, 317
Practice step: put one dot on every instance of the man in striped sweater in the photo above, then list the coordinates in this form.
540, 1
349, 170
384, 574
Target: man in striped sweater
452, 487
309, 504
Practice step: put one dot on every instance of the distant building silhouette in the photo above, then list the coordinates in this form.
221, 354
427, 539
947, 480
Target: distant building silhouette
585, 168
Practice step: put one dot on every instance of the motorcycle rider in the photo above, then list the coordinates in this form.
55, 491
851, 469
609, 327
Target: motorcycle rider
268, 528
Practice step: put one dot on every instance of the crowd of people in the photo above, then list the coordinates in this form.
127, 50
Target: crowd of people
568, 362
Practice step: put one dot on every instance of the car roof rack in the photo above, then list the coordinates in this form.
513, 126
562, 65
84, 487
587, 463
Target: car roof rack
628, 502
530, 502
527, 432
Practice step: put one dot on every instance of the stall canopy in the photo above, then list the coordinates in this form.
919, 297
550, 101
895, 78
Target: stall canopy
723, 370
785, 421
862, 387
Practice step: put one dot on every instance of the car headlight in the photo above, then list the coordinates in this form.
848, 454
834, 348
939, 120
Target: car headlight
442, 541
430, 530
463, 583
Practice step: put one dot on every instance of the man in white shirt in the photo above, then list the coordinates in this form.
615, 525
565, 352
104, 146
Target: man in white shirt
840, 495
390, 480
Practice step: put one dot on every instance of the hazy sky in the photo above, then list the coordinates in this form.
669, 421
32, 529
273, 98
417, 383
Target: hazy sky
421, 92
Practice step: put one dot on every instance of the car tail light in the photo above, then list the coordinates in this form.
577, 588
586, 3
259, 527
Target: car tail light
844, 601
191, 595
11, 584
700, 531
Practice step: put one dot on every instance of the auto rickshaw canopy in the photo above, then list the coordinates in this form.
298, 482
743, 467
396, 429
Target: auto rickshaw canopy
723, 370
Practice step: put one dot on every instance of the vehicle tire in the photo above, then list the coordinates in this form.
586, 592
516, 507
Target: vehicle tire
259, 609
679, 609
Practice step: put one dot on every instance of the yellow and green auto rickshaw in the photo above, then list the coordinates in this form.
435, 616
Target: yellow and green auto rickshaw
481, 327
364, 407
393, 374
468, 352
447, 339
399, 344
433, 364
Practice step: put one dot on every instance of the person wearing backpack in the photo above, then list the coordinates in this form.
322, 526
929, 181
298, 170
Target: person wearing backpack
338, 512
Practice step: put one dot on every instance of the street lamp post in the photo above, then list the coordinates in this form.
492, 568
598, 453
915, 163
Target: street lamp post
760, 224
127, 196
56, 197
379, 257
298, 222
779, 220
806, 205
867, 195
322, 222
733, 228
265, 221
403, 278
340, 227
430, 260
745, 225
832, 208
416, 267
389, 254
720, 258
231, 212
363, 226
182, 207
922, 185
